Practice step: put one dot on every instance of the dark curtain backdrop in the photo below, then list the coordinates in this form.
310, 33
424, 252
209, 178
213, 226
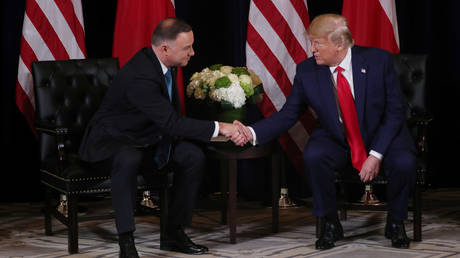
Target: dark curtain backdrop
220, 33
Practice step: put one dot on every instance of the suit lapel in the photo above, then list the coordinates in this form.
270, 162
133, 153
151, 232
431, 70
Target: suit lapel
159, 71
359, 83
326, 87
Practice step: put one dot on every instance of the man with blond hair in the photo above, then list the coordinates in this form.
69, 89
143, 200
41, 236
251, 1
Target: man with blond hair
356, 95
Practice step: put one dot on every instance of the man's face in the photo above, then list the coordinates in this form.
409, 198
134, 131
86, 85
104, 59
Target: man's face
324, 51
180, 51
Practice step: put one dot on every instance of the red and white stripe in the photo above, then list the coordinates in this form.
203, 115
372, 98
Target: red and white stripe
373, 23
276, 42
52, 30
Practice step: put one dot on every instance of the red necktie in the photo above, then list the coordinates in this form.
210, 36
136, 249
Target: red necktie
350, 120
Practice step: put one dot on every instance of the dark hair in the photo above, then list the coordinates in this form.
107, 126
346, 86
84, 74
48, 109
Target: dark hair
168, 29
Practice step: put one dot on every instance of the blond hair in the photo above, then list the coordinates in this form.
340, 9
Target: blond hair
334, 27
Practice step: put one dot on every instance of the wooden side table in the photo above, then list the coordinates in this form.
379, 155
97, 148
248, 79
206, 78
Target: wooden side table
228, 155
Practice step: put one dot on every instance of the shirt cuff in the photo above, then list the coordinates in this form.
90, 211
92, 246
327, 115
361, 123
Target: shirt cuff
216, 129
254, 140
376, 154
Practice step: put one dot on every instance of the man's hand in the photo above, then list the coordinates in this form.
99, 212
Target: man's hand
370, 169
233, 132
244, 130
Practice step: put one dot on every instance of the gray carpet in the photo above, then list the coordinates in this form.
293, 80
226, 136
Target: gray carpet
22, 233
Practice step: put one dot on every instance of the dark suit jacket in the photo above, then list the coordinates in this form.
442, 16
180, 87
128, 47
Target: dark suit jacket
379, 102
136, 111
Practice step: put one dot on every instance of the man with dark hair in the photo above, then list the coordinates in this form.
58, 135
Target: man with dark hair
138, 125
355, 93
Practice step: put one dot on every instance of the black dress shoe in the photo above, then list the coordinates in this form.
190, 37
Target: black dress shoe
127, 247
178, 241
397, 233
331, 232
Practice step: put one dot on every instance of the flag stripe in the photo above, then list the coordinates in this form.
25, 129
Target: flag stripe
61, 27
390, 10
24, 105
267, 107
301, 8
292, 152
268, 38
260, 47
282, 29
47, 32
24, 73
296, 21
276, 42
51, 30
77, 32
33, 38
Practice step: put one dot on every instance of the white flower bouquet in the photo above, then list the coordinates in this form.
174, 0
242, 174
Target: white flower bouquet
231, 86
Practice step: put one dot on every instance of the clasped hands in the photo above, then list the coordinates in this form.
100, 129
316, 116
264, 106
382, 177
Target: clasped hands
237, 132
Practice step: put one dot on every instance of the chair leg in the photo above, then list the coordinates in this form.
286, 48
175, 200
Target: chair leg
417, 213
72, 223
164, 201
47, 212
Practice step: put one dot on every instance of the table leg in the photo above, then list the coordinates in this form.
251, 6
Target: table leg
232, 177
224, 189
276, 169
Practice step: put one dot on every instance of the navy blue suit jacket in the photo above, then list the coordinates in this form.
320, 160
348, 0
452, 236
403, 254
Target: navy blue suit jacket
380, 104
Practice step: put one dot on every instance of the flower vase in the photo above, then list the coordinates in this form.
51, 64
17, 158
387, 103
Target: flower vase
230, 115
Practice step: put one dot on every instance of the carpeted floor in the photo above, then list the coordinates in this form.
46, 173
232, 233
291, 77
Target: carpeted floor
22, 234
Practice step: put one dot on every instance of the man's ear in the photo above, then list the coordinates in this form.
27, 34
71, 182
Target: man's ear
164, 48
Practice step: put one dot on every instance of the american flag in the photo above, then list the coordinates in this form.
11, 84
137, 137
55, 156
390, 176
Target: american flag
52, 30
277, 41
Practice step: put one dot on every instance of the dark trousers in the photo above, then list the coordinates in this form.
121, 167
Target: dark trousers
323, 157
188, 161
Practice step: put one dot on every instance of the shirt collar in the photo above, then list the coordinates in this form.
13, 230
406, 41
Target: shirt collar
164, 68
345, 64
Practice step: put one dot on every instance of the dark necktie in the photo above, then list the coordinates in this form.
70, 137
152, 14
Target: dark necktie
168, 79
350, 121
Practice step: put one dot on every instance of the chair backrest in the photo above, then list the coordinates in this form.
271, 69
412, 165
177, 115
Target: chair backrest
411, 70
67, 93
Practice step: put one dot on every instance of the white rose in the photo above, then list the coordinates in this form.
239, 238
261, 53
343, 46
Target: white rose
244, 78
226, 69
233, 77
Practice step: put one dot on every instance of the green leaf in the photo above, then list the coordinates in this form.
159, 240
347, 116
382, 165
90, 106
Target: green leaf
215, 67
222, 82
240, 70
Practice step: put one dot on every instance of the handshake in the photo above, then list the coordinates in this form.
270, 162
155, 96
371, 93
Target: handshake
237, 132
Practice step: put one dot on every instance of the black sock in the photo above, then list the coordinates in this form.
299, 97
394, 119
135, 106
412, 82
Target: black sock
125, 235
332, 216
391, 219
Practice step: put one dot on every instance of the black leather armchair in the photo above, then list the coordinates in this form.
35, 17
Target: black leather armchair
67, 93
411, 70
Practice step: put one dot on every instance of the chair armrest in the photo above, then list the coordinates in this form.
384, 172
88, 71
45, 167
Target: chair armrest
60, 134
51, 129
420, 119
421, 123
